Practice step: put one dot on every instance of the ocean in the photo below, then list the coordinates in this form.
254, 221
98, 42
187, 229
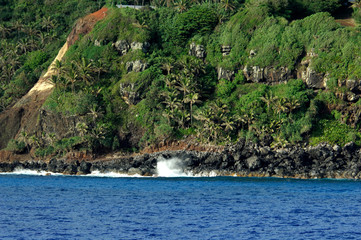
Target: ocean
118, 207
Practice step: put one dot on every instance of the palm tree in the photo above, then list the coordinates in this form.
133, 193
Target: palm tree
22, 46
71, 75
59, 68
269, 99
18, 26
356, 3
191, 98
181, 5
14, 62
33, 44
7, 72
47, 23
227, 5
82, 128
4, 31
31, 31
192, 66
172, 103
170, 80
292, 104
181, 117
85, 70
35, 141
168, 114
168, 65
95, 112
280, 106
100, 67
228, 124
43, 38
185, 85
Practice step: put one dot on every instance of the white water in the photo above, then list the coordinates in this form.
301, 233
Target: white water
170, 167
21, 171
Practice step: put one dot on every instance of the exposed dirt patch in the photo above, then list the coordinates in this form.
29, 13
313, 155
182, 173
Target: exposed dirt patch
85, 25
347, 22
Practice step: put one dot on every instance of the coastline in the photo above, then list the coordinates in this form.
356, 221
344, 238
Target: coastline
241, 159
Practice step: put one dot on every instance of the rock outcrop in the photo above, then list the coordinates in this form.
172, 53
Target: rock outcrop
225, 74
129, 93
123, 46
268, 75
197, 50
136, 66
226, 50
241, 159
140, 46
312, 78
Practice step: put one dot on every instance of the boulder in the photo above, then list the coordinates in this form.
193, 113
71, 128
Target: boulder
253, 163
71, 169
84, 167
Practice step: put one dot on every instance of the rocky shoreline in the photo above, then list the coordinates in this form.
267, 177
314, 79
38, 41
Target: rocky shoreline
241, 159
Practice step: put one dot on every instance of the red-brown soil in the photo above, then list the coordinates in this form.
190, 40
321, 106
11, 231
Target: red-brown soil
347, 22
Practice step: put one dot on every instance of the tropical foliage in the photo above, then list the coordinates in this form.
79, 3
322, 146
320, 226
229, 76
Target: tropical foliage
174, 94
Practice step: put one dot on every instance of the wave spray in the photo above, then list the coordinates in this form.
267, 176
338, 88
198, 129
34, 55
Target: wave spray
172, 167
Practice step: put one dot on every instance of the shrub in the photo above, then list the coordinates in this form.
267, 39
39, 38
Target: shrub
334, 132
198, 20
16, 146
34, 60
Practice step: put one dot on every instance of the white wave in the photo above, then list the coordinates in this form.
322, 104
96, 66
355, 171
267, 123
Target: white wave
172, 167
22, 171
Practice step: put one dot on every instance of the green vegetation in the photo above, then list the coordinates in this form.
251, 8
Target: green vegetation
32, 32
132, 83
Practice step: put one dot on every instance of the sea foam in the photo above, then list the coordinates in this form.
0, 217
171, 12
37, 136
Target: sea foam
172, 167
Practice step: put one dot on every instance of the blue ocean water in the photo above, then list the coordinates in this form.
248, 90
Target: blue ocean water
69, 207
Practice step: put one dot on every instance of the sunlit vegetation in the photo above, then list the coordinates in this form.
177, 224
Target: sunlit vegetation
176, 95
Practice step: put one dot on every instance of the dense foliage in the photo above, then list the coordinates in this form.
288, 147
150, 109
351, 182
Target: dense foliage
176, 95
32, 31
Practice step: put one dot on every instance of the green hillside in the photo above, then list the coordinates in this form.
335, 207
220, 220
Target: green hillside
277, 72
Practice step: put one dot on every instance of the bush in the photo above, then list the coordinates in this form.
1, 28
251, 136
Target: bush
198, 20
334, 132
357, 14
34, 60
16, 146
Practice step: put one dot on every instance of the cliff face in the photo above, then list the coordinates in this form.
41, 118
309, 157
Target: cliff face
24, 115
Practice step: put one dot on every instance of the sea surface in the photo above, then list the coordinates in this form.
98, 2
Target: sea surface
74, 207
